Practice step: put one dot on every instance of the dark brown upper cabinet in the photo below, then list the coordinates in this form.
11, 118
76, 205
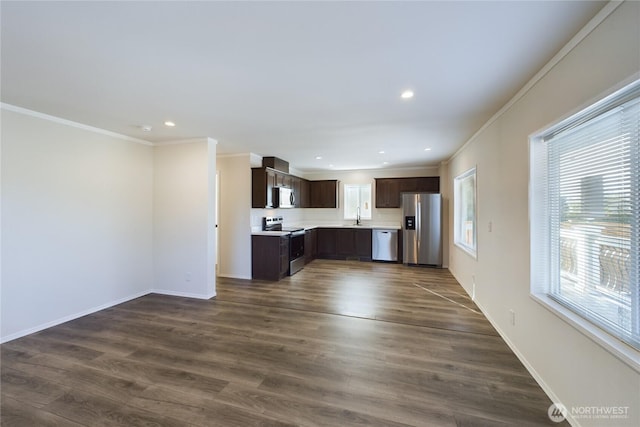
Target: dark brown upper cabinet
263, 181
389, 190
283, 180
308, 194
323, 194
304, 200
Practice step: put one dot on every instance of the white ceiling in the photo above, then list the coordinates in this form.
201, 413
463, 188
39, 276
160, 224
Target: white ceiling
294, 80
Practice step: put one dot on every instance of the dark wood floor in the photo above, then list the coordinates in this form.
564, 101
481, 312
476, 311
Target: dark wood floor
338, 344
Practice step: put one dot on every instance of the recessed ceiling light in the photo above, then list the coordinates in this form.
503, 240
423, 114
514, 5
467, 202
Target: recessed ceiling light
146, 128
385, 163
381, 152
330, 166
318, 157
427, 149
169, 124
407, 94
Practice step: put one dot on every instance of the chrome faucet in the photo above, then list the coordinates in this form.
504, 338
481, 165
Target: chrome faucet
358, 215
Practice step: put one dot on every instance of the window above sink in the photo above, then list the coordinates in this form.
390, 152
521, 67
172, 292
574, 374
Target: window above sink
357, 201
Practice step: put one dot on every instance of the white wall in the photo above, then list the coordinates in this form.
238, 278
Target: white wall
184, 218
76, 229
571, 368
234, 224
87, 215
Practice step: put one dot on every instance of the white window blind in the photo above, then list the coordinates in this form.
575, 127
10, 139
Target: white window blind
586, 214
357, 199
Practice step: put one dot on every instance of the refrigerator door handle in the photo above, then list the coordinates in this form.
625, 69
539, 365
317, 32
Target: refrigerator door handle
418, 223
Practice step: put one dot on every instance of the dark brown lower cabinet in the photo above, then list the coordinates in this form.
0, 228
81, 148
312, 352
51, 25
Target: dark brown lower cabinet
269, 257
310, 245
344, 243
363, 244
326, 243
270, 254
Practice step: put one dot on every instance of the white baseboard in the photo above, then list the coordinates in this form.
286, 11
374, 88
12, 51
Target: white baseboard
91, 310
548, 391
182, 294
233, 276
64, 319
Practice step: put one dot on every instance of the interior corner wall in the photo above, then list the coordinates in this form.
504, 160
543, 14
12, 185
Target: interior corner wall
76, 230
183, 216
569, 366
447, 204
234, 224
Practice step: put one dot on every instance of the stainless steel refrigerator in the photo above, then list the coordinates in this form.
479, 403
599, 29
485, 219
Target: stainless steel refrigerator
422, 229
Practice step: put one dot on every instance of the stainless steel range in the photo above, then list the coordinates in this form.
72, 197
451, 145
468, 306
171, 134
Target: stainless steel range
296, 241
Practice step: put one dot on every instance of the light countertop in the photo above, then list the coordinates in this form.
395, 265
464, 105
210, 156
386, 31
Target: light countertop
365, 226
270, 233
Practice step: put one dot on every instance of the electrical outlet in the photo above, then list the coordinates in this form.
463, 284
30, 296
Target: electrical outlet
512, 317
188, 276
490, 226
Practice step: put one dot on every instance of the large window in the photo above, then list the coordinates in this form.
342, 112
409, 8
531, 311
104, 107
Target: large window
585, 214
357, 200
464, 211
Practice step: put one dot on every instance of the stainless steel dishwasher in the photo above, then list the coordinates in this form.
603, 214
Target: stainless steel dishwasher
385, 245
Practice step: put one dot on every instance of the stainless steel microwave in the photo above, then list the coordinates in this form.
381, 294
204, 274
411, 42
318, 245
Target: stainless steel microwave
283, 197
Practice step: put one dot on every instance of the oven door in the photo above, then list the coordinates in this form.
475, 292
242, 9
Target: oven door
296, 252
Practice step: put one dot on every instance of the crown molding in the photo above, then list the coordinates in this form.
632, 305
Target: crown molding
607, 10
71, 123
185, 141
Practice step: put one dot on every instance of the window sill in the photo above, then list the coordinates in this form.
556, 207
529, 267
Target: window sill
620, 350
466, 249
